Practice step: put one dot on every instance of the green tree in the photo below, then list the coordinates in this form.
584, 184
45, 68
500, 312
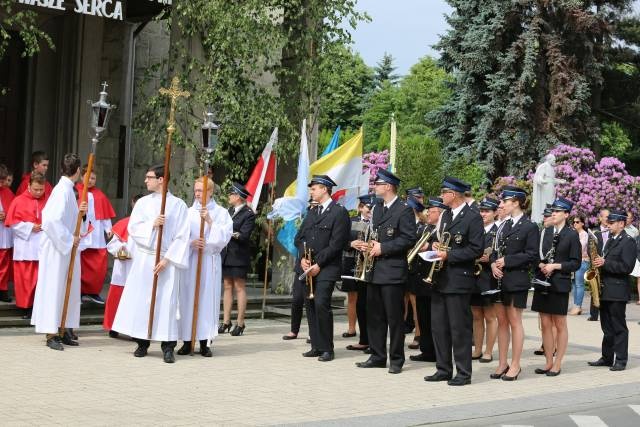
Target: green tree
385, 71
527, 77
419, 163
21, 24
348, 81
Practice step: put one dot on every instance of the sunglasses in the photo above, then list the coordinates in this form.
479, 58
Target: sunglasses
577, 222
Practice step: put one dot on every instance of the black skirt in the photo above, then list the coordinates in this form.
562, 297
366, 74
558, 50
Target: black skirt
550, 302
518, 299
235, 272
349, 285
479, 300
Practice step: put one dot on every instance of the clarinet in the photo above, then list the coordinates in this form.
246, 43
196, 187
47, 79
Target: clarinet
549, 258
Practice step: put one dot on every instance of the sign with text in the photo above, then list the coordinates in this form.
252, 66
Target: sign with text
112, 9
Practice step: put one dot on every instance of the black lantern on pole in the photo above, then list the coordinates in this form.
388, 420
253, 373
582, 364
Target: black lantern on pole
209, 133
99, 114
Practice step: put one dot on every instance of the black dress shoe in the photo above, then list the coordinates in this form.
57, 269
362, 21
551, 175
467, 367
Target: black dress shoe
168, 356
495, 376
72, 334
224, 327
459, 381
486, 360
289, 337
618, 367
539, 352
4, 296
476, 357
592, 319
66, 339
205, 350
114, 334
326, 356
551, 373
395, 369
541, 371
506, 377
371, 364
26, 314
422, 358
438, 376
348, 334
308, 341
355, 348
55, 344
238, 330
185, 349
140, 351
311, 353
601, 362
367, 350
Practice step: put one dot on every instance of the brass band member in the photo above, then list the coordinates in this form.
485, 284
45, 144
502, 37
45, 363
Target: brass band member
394, 223
560, 255
418, 270
485, 321
358, 289
414, 194
616, 263
450, 311
517, 244
324, 231
236, 258
546, 222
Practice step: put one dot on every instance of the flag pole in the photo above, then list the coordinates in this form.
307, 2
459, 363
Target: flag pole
269, 237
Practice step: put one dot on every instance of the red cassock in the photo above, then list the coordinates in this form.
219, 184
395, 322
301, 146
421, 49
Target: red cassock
25, 208
24, 184
93, 261
6, 254
115, 290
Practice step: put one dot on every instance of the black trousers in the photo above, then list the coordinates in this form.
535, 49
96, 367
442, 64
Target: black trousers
385, 304
164, 345
615, 341
320, 316
361, 312
423, 307
297, 304
452, 325
593, 311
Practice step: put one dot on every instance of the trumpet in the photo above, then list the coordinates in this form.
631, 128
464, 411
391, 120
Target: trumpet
445, 242
416, 249
364, 261
308, 255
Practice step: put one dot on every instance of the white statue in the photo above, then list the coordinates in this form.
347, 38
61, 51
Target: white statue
544, 190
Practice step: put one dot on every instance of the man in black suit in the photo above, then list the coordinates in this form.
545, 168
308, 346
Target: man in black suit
236, 258
394, 223
324, 231
450, 301
616, 263
418, 270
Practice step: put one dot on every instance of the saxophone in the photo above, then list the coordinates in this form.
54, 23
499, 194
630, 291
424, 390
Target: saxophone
592, 275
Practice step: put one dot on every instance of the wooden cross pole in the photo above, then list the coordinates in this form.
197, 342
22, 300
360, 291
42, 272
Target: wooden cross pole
174, 92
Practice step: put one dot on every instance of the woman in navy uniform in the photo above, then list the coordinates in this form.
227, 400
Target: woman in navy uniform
560, 255
418, 270
451, 318
410, 309
616, 263
485, 321
359, 289
515, 255
394, 222
350, 286
236, 258
324, 231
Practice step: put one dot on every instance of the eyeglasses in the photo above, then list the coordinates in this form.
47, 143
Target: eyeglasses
577, 222
150, 177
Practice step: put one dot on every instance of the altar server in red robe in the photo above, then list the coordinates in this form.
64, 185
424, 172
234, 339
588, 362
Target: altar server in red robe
6, 236
40, 164
25, 219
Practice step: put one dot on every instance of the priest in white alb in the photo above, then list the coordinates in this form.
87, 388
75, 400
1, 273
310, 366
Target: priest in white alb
217, 233
133, 312
59, 218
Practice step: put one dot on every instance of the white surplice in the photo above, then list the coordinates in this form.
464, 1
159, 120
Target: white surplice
95, 239
6, 235
216, 237
59, 218
133, 312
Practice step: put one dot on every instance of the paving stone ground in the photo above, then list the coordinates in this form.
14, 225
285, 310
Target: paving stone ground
259, 379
